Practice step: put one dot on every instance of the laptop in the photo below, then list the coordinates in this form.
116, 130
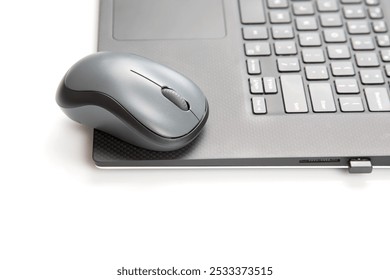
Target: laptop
289, 83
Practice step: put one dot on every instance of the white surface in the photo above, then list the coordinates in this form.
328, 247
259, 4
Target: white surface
61, 218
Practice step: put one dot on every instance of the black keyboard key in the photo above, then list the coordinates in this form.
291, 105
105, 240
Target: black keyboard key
378, 99
252, 11
322, 98
293, 92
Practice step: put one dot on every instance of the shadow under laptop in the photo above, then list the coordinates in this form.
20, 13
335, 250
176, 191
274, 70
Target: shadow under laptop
70, 148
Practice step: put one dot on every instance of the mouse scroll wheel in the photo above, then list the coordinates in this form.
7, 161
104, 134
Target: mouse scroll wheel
175, 98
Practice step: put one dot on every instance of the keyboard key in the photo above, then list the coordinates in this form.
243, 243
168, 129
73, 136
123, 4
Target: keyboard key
383, 40
351, 104
313, 55
309, 39
347, 86
340, 69
367, 59
256, 85
288, 64
252, 11
270, 85
387, 70
358, 27
285, 47
317, 72
277, 4
379, 26
303, 8
354, 11
327, 5
372, 2
282, 32
338, 52
351, 1
335, 35
322, 98
378, 99
259, 106
342, 20
253, 66
372, 77
280, 16
385, 55
255, 33
293, 92
375, 13
306, 23
331, 20
362, 43
257, 49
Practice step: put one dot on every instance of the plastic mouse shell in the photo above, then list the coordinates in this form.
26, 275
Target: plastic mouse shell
135, 83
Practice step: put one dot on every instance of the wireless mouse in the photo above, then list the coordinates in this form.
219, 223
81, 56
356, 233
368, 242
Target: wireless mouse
135, 99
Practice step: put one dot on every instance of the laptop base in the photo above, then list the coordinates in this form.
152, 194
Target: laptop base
233, 135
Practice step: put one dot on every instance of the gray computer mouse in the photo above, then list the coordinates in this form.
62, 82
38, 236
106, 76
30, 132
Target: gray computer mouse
135, 99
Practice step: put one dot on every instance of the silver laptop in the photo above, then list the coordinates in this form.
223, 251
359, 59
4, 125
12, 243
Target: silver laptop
289, 83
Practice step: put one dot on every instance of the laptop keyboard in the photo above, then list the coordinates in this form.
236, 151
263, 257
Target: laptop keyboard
330, 55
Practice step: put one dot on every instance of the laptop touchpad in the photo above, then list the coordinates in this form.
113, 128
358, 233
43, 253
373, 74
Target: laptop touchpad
168, 19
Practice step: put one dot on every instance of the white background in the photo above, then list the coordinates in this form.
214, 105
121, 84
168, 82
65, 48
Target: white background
61, 218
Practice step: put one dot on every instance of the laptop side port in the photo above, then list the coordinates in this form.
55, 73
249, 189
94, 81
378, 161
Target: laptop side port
360, 166
320, 161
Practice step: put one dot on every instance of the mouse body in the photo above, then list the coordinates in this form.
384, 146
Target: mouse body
135, 99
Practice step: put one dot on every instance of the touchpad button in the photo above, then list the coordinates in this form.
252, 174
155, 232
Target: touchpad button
168, 19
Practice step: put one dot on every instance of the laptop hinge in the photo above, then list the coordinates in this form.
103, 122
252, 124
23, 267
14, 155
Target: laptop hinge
359, 166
